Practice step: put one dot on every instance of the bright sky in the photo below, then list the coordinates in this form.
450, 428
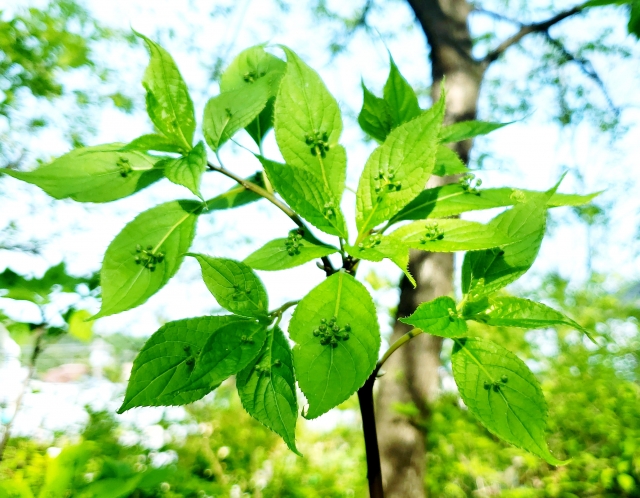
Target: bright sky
528, 154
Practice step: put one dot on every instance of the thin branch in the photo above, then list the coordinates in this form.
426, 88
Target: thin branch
585, 66
279, 311
527, 29
396, 345
328, 267
37, 349
496, 15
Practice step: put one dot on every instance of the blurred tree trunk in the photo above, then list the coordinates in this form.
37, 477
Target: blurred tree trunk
412, 372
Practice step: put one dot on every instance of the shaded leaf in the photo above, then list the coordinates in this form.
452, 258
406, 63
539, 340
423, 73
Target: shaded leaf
448, 162
503, 394
267, 388
329, 373
375, 116
399, 94
308, 195
236, 196
465, 130
167, 362
234, 285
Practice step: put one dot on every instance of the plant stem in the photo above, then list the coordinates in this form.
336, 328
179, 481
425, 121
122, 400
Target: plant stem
374, 470
403, 340
37, 349
328, 267
283, 308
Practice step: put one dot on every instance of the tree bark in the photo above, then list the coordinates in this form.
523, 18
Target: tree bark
412, 373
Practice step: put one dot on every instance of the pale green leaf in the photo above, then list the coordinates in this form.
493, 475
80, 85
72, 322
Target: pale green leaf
169, 104
231, 111
465, 130
503, 394
454, 199
398, 170
146, 254
438, 317
375, 116
517, 312
448, 162
398, 93
450, 235
153, 142
236, 196
167, 361
308, 195
267, 388
102, 173
187, 171
234, 285
308, 126
280, 254
249, 66
329, 373
378, 247
79, 326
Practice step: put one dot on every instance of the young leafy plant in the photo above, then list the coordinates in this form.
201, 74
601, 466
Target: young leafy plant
331, 348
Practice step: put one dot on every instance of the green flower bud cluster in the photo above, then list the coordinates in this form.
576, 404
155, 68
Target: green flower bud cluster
330, 332
266, 369
239, 294
318, 142
246, 340
433, 233
124, 166
329, 209
496, 385
147, 258
252, 76
292, 244
453, 314
466, 182
371, 242
385, 181
518, 195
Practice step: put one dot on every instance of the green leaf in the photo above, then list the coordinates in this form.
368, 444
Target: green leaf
308, 195
168, 229
517, 312
153, 142
329, 373
236, 196
503, 394
450, 235
102, 173
308, 126
454, 199
231, 111
378, 247
398, 93
249, 66
167, 362
398, 170
465, 130
438, 317
79, 327
169, 104
448, 162
375, 116
280, 254
267, 388
229, 350
234, 285
484, 272
187, 171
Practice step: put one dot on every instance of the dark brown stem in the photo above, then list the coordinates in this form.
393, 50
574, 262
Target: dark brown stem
374, 470
538, 27
37, 349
